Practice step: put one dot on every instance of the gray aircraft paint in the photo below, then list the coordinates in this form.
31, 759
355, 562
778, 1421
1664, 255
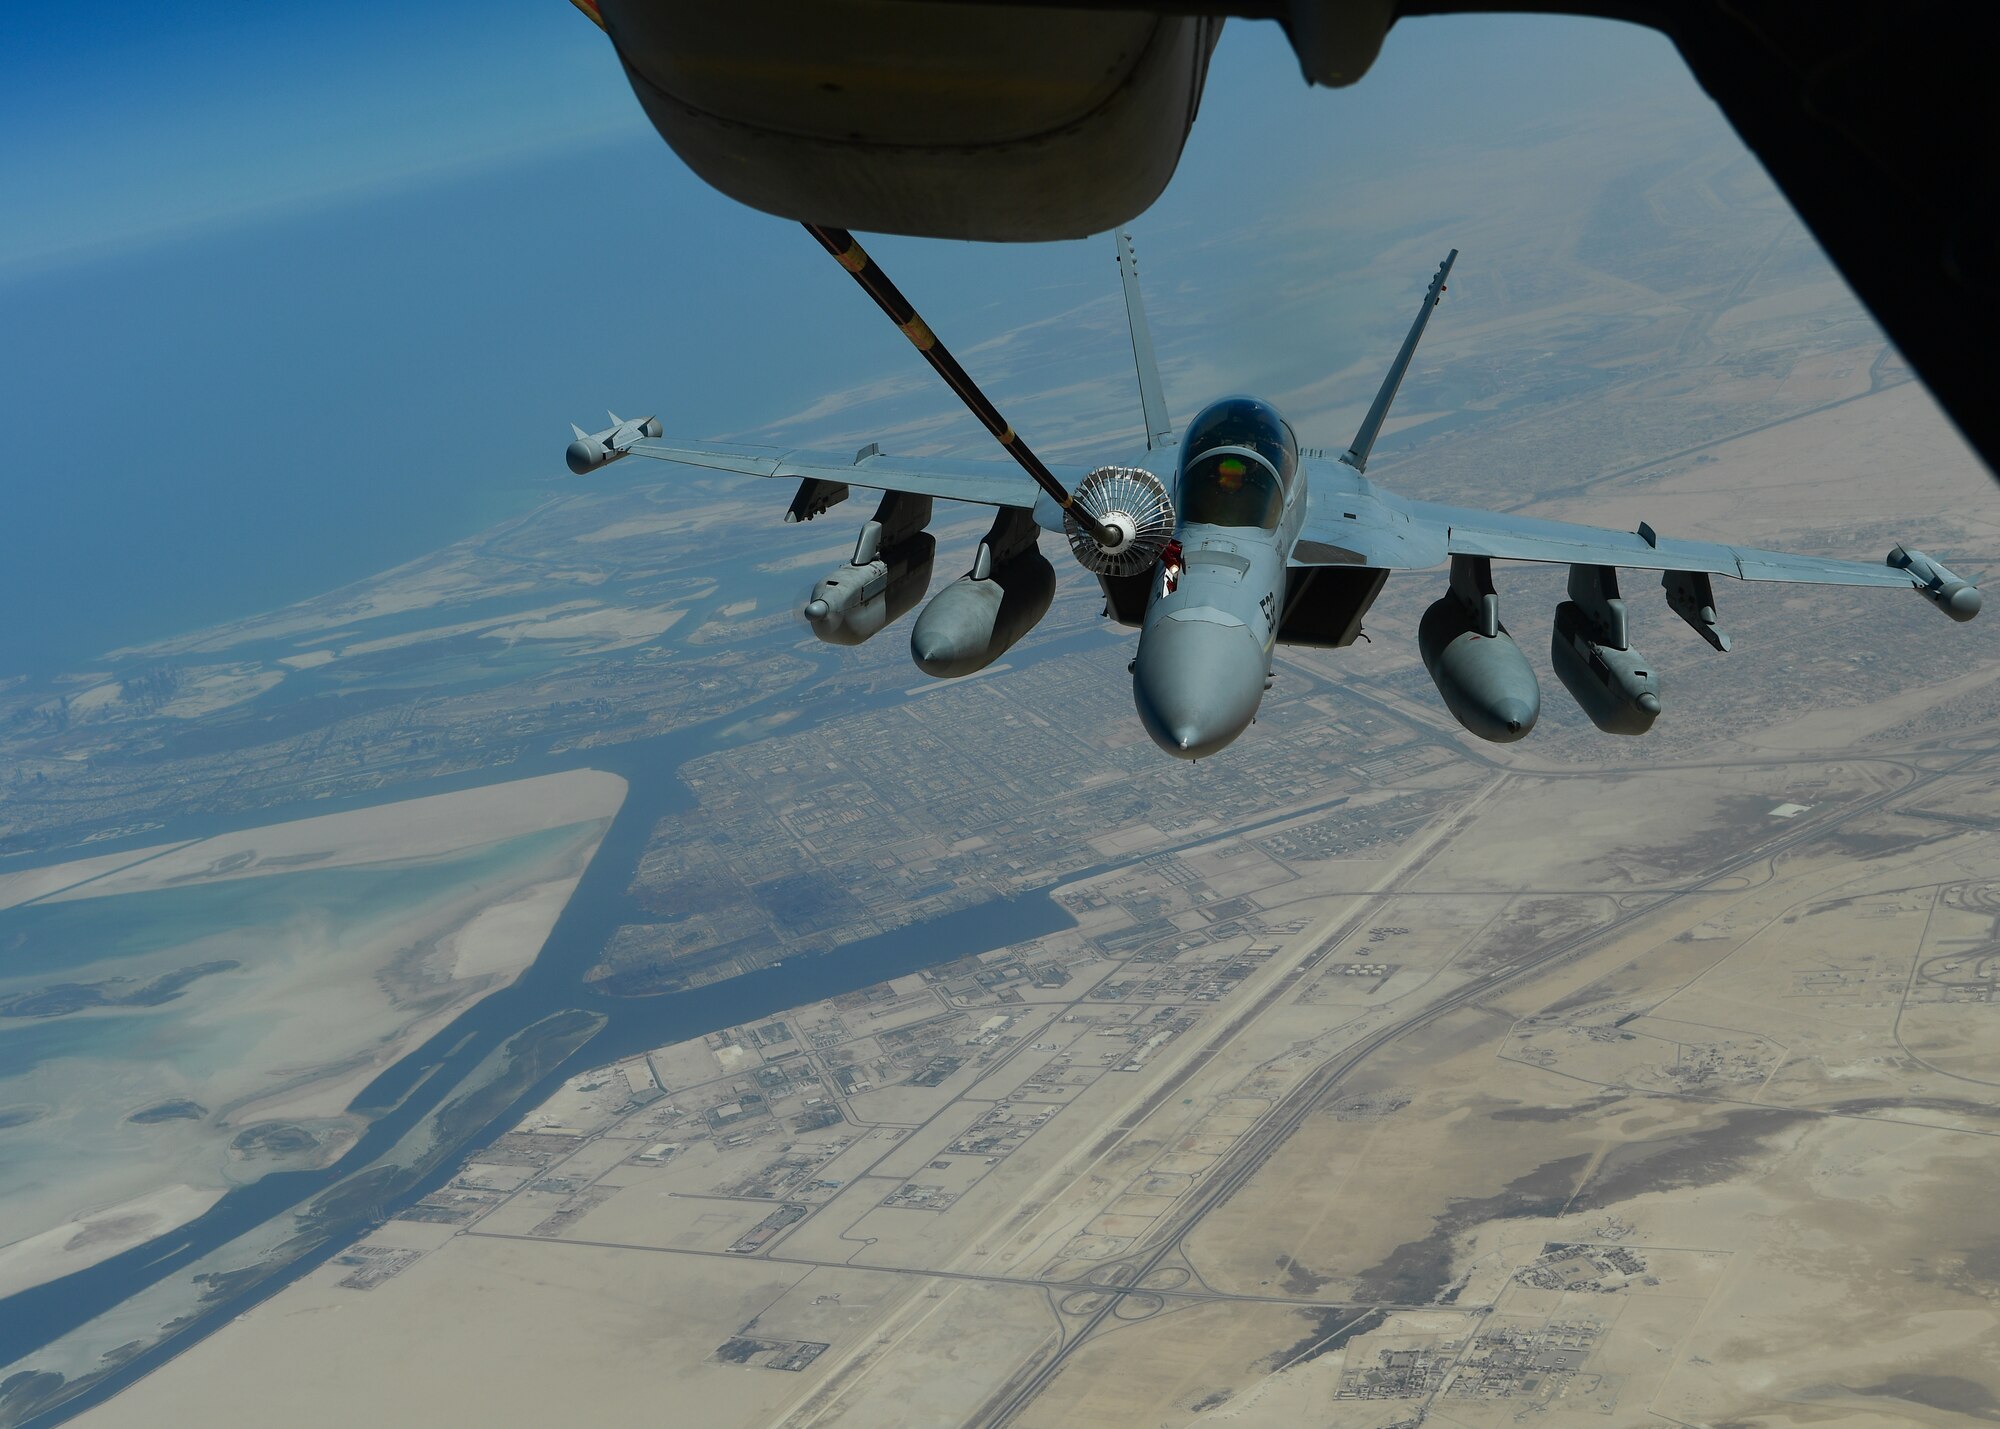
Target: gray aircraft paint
977, 618
1593, 655
1205, 645
591, 450
1479, 671
884, 579
1205, 648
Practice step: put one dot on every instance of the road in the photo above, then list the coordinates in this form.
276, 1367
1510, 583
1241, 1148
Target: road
1257, 1145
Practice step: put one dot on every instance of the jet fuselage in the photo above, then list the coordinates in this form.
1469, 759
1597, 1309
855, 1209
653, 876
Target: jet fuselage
1205, 643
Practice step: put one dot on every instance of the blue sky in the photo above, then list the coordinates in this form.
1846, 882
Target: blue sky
133, 122
304, 291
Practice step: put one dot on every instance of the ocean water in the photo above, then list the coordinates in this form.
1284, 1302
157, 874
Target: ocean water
84, 937
222, 424
71, 1082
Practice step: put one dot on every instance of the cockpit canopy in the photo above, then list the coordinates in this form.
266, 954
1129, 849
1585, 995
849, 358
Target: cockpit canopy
1237, 463
1244, 422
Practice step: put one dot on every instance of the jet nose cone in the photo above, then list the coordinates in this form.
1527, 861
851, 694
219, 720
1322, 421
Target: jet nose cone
1649, 702
1197, 684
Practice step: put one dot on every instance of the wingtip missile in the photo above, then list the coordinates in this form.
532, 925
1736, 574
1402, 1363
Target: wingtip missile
1955, 596
584, 456
591, 450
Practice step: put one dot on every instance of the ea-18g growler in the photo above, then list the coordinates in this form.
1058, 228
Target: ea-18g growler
1230, 540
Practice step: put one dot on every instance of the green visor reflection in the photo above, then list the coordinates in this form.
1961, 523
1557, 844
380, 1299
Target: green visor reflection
1231, 489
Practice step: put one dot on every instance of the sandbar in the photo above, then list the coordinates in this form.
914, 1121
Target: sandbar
84, 1240
383, 833
315, 991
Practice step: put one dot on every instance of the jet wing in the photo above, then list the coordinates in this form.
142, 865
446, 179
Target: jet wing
1350, 521
1470, 532
985, 483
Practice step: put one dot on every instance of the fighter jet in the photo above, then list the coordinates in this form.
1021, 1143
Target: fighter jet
591, 450
1249, 541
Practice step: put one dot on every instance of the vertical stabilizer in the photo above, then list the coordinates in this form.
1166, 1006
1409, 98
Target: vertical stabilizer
1356, 456
1152, 399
